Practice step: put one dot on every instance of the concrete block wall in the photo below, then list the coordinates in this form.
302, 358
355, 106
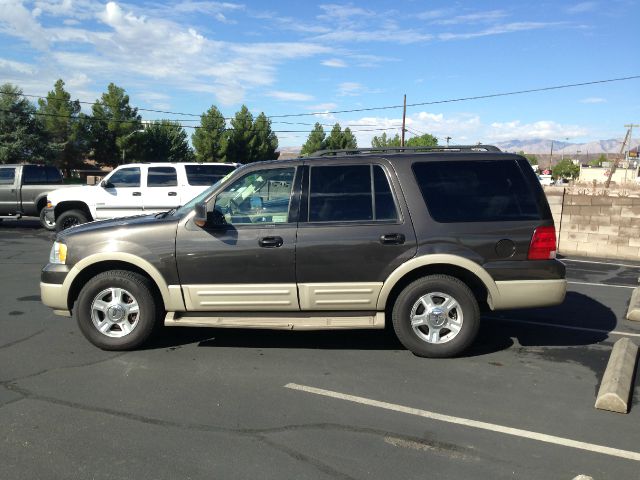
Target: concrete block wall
596, 225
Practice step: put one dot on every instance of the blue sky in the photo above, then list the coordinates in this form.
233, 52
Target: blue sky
290, 57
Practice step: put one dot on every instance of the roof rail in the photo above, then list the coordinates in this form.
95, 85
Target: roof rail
356, 151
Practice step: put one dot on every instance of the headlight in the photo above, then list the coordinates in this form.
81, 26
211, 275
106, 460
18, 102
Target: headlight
58, 253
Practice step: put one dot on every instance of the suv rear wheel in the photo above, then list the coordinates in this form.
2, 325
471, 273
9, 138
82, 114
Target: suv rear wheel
116, 310
436, 316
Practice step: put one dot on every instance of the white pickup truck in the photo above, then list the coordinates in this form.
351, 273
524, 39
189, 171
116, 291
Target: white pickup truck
133, 189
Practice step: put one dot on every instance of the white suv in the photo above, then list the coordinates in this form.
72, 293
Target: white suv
133, 189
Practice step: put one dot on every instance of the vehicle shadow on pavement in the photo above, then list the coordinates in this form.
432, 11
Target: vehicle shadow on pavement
497, 331
589, 322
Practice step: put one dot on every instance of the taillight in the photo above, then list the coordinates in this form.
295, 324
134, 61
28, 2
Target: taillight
543, 244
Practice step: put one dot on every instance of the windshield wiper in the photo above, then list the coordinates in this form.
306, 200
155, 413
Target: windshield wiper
167, 213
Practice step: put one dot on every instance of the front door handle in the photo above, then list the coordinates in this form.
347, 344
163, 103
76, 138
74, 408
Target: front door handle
270, 242
172, 194
392, 239
136, 194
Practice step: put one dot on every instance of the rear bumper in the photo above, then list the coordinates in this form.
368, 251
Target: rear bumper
528, 294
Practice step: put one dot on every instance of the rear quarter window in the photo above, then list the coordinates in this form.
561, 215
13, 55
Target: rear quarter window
203, 174
476, 191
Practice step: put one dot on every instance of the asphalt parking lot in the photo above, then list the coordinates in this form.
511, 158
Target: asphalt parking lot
206, 403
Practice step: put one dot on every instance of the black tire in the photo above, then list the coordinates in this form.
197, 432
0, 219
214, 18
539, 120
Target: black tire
70, 218
457, 327
134, 287
46, 224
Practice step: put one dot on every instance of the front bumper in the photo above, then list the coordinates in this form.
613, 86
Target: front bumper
53, 293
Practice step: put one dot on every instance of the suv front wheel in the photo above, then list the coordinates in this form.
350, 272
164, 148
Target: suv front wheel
116, 310
436, 316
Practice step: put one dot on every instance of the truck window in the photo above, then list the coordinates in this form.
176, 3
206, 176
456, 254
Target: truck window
125, 177
7, 176
34, 175
162, 177
203, 174
53, 175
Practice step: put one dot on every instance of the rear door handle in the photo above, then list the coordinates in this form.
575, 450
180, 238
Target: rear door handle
392, 239
136, 194
172, 194
270, 242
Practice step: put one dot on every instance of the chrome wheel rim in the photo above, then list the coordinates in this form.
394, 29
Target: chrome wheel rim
436, 318
115, 312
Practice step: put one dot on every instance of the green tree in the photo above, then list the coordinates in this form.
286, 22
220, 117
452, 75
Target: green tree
210, 140
22, 138
112, 126
566, 169
241, 138
315, 141
383, 141
65, 127
265, 141
161, 141
597, 162
338, 139
426, 140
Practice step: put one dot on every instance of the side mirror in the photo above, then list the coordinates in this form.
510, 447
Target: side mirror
106, 184
214, 219
201, 214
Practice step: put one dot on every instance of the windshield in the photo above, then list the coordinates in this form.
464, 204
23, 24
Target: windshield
187, 207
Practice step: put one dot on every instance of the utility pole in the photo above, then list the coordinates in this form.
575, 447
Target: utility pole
447, 139
627, 139
404, 116
551, 155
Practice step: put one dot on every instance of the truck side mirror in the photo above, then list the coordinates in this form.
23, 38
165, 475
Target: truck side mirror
201, 214
106, 184
214, 219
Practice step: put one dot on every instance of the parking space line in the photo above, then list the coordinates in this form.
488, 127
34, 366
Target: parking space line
600, 263
492, 427
601, 285
568, 327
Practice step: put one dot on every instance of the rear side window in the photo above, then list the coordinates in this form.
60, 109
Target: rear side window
7, 176
476, 191
344, 193
34, 175
199, 175
53, 175
162, 177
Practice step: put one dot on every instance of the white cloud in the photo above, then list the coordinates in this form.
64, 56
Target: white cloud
290, 96
7, 66
473, 18
582, 7
350, 89
19, 22
334, 62
498, 29
593, 100
322, 107
515, 129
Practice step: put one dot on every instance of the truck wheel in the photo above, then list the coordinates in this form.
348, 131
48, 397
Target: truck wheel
70, 218
116, 310
46, 224
436, 316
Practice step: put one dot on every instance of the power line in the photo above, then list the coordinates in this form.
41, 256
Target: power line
369, 109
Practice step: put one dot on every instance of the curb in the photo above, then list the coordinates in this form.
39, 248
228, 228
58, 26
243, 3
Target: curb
633, 313
616, 384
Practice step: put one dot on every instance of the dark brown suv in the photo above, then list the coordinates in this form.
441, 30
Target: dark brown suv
422, 238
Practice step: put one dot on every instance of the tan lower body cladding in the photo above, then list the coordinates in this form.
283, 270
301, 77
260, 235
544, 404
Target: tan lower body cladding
282, 297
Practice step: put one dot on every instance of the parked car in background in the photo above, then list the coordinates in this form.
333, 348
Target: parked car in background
133, 189
545, 180
24, 188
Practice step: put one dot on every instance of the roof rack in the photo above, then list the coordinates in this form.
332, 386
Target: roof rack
455, 148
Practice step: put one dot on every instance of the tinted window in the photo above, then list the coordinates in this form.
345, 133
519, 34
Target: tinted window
7, 176
162, 177
125, 177
475, 191
204, 174
53, 175
262, 196
385, 207
340, 193
34, 175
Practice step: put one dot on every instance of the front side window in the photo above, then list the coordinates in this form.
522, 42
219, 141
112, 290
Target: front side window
53, 175
162, 177
346, 193
7, 176
259, 197
125, 177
